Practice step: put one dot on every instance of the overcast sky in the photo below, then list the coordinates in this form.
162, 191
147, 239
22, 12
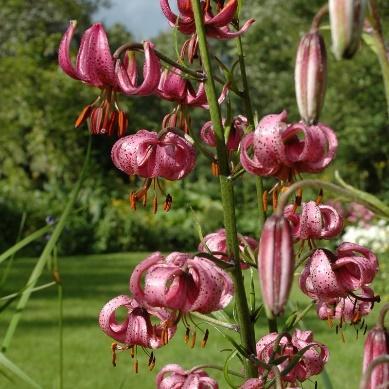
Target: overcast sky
143, 18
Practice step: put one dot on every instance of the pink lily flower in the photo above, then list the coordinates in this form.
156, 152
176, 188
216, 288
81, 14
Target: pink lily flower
327, 276
277, 149
127, 73
152, 155
95, 66
137, 329
346, 309
311, 363
216, 26
173, 376
316, 221
182, 282
173, 87
238, 126
216, 243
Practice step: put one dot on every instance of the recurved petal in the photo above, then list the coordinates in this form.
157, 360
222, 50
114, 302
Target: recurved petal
323, 279
310, 221
137, 274
332, 222
107, 319
224, 33
64, 51
224, 17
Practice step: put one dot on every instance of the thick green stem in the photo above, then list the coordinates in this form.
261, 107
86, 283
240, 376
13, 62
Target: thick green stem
227, 196
250, 117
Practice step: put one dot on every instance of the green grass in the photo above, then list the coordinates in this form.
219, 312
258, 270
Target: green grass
89, 281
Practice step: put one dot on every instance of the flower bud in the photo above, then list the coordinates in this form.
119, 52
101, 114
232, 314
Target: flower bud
275, 264
346, 19
310, 76
377, 344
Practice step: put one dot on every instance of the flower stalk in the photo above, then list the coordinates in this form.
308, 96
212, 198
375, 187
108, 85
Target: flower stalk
227, 196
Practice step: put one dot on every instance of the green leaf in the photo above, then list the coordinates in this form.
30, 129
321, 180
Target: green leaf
46, 253
16, 371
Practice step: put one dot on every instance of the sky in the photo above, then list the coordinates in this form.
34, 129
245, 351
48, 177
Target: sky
143, 18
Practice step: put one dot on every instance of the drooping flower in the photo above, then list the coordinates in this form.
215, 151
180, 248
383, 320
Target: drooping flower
137, 329
127, 73
377, 344
216, 26
282, 150
311, 363
173, 376
310, 76
95, 66
151, 155
346, 20
174, 87
328, 278
236, 131
316, 221
275, 263
216, 243
180, 281
346, 309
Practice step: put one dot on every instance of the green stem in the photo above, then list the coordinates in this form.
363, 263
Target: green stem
43, 259
272, 324
250, 117
247, 335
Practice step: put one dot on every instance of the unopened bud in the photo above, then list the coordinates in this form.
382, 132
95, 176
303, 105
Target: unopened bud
275, 264
376, 345
310, 76
346, 19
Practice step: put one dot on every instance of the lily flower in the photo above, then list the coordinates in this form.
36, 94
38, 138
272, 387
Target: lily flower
282, 150
237, 128
348, 309
95, 66
137, 329
216, 26
151, 155
327, 276
316, 221
174, 376
180, 281
311, 363
216, 244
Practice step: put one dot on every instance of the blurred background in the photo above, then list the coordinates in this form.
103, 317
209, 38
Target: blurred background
41, 154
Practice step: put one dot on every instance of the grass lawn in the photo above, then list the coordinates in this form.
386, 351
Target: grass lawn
89, 281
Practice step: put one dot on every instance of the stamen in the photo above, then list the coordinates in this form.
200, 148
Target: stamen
365, 330
275, 199
319, 198
132, 200
122, 123
155, 204
168, 203
187, 333
113, 349
205, 339
215, 169
193, 341
83, 116
336, 329
329, 321
264, 200
136, 366
132, 351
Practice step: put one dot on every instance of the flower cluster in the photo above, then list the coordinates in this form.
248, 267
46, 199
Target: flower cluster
282, 150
